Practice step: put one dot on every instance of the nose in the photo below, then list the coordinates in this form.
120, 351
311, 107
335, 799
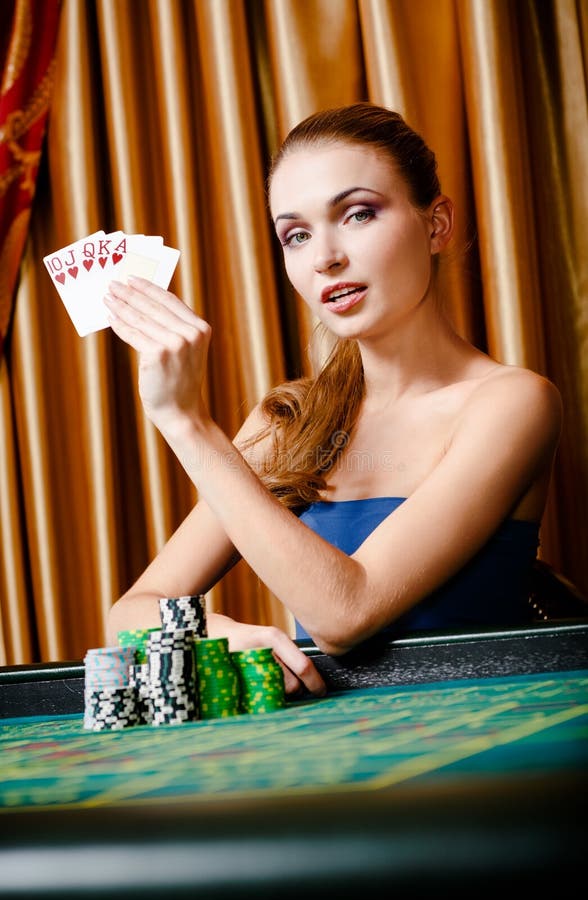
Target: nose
328, 256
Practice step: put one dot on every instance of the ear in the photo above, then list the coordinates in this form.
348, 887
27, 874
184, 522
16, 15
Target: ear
441, 219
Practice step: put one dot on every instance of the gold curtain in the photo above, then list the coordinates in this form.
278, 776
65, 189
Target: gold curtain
163, 123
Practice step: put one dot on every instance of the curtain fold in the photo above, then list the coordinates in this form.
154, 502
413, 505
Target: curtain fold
164, 123
413, 65
75, 159
554, 44
501, 157
500, 152
242, 306
316, 62
17, 627
137, 195
27, 48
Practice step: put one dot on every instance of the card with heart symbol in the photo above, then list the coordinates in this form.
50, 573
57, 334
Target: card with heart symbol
82, 271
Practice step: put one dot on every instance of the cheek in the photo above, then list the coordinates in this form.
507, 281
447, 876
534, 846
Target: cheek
404, 262
295, 269
409, 250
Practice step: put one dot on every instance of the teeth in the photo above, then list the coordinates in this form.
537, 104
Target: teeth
342, 293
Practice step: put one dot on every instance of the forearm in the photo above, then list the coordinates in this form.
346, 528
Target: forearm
130, 612
322, 586
141, 610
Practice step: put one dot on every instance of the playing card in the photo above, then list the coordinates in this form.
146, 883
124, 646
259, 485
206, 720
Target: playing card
82, 271
66, 265
154, 262
99, 260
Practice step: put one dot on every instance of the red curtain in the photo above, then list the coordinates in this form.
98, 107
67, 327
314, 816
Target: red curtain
28, 32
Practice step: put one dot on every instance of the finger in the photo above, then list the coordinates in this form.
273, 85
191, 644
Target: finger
161, 327
146, 295
307, 674
300, 665
125, 300
159, 295
131, 336
292, 685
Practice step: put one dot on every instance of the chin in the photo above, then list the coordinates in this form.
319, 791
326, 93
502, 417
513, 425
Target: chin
348, 328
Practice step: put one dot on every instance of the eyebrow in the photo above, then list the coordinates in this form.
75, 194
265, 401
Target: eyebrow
334, 201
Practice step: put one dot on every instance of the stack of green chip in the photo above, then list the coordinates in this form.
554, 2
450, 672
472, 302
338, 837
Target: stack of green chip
261, 679
218, 685
137, 639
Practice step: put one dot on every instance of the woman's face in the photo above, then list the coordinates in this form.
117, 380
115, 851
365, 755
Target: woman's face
355, 247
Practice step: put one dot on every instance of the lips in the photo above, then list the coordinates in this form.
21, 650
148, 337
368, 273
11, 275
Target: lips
342, 296
340, 291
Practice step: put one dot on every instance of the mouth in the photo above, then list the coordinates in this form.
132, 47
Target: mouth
342, 296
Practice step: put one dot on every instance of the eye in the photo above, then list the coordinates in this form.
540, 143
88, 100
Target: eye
295, 238
361, 215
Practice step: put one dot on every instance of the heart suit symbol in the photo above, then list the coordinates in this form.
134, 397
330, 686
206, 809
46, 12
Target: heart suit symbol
116, 257
102, 260
88, 263
60, 278
73, 271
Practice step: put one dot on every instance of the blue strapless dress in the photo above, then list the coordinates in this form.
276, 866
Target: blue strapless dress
491, 590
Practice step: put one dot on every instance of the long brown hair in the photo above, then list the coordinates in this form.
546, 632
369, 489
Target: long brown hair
311, 419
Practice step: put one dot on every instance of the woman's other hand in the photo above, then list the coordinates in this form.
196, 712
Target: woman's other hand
299, 670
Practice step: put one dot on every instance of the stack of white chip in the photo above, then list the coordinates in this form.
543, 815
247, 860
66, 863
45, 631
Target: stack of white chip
109, 698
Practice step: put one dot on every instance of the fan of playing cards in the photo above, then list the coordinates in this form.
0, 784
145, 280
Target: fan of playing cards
82, 271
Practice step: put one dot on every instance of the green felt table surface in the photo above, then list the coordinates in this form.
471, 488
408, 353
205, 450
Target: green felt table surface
365, 739
438, 765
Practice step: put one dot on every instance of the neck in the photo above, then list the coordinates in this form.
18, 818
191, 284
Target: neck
420, 355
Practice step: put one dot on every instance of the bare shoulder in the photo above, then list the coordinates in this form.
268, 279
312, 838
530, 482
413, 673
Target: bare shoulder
254, 438
518, 399
516, 386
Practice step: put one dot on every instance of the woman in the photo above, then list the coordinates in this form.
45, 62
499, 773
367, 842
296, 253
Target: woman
401, 488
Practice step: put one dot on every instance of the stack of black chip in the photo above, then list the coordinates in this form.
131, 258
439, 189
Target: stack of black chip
179, 613
172, 677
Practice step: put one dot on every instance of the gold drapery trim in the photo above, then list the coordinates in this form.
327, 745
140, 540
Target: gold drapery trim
20, 43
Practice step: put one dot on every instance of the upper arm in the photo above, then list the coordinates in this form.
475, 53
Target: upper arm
504, 442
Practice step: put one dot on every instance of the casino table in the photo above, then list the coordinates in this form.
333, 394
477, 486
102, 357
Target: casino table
437, 764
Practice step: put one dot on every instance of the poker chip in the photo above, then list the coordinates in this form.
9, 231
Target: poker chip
171, 656
137, 639
172, 692
110, 708
187, 612
108, 666
176, 674
261, 680
218, 684
139, 680
172, 704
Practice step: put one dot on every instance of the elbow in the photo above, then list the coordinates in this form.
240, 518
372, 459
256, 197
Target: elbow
332, 647
337, 641
112, 624
354, 625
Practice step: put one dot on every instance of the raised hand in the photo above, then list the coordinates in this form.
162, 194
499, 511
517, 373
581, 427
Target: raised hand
172, 343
